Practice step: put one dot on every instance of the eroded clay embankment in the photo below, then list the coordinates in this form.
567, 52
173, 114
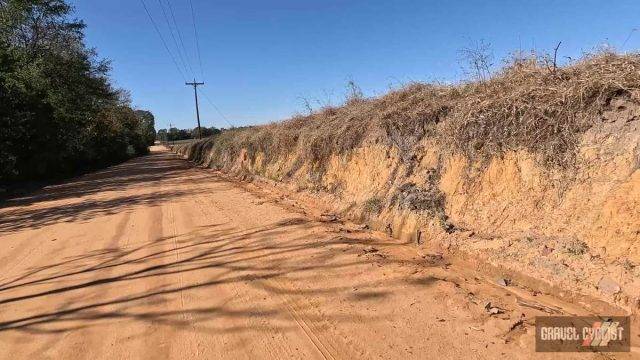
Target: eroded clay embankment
577, 230
533, 172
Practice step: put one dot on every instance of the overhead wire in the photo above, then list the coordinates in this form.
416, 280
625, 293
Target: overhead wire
173, 37
216, 108
195, 31
155, 26
180, 37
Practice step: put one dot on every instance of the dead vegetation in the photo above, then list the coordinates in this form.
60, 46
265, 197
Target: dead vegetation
414, 198
524, 106
529, 106
373, 205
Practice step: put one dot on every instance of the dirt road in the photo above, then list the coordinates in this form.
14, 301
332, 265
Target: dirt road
155, 259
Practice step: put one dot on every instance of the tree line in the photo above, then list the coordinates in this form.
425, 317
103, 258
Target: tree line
59, 111
175, 134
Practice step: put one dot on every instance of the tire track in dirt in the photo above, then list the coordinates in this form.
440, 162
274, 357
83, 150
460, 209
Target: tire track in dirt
173, 233
277, 349
244, 342
328, 345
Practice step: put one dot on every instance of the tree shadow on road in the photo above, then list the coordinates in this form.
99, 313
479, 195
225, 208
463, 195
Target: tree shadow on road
100, 194
275, 268
265, 259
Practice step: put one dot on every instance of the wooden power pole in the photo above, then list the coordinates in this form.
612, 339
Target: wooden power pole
195, 90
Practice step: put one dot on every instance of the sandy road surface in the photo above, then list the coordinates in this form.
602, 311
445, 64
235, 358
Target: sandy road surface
154, 259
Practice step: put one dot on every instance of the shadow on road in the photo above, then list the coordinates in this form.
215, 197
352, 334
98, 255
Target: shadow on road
87, 193
251, 257
282, 262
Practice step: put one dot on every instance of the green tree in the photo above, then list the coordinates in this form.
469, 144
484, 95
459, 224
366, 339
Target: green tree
58, 110
147, 126
162, 135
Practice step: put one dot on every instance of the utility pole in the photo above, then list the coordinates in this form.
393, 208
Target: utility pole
195, 91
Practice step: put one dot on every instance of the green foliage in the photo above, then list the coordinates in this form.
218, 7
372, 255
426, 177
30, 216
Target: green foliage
58, 111
147, 123
206, 132
175, 134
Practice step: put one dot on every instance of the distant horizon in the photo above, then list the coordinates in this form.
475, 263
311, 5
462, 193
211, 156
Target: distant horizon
260, 59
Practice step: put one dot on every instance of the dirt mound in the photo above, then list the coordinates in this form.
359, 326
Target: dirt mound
534, 153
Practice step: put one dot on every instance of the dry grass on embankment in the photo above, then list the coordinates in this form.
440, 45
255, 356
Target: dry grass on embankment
535, 156
526, 106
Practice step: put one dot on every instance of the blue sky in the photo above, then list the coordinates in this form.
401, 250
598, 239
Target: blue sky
260, 57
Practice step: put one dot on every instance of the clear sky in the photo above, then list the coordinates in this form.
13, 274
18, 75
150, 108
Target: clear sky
259, 57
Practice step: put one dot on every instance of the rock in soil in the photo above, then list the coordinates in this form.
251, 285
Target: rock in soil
492, 310
370, 250
608, 286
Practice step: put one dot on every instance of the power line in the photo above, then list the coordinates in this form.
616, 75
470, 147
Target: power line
628, 38
216, 108
195, 31
175, 41
184, 48
155, 26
